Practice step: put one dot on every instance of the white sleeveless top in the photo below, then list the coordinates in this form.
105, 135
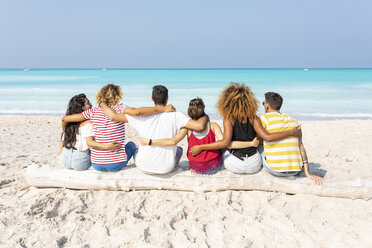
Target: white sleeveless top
84, 132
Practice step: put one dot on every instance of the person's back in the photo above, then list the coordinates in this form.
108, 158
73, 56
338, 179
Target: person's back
206, 162
287, 156
243, 131
75, 152
157, 159
107, 131
282, 155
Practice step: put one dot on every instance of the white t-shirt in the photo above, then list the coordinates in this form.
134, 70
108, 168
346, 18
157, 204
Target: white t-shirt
157, 159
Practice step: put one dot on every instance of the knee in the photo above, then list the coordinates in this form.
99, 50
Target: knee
179, 151
131, 146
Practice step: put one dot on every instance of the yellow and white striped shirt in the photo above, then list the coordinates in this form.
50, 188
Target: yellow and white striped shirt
282, 155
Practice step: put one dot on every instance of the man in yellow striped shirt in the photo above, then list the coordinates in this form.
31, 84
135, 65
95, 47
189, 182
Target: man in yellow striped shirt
284, 157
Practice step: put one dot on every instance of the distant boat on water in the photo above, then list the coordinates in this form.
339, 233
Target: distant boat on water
103, 69
26, 69
306, 69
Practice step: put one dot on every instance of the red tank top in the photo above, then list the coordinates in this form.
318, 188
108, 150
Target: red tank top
206, 160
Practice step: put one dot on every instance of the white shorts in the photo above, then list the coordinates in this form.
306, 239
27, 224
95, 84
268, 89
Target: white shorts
248, 165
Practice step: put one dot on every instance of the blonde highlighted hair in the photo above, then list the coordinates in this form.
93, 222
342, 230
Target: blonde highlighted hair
237, 103
110, 94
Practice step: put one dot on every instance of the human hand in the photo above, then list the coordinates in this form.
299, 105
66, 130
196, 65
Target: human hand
255, 142
316, 179
296, 131
169, 108
114, 146
144, 141
195, 150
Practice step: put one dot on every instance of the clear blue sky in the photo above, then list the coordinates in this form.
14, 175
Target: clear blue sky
185, 34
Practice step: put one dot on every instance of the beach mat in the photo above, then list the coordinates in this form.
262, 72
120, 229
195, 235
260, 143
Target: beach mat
131, 178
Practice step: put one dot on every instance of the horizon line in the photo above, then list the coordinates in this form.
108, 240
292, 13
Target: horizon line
172, 68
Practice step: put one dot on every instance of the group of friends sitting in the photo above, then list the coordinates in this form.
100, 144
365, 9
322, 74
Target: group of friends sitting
96, 136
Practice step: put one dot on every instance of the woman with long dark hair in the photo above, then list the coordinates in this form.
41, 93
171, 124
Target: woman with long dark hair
107, 131
77, 137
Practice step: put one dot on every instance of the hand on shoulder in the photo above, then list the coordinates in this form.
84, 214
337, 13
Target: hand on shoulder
169, 108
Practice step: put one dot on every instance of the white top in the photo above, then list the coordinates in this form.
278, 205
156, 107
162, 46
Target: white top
157, 159
81, 137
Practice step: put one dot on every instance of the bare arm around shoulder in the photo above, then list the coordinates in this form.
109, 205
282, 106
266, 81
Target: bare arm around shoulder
71, 118
166, 142
197, 125
265, 135
114, 146
216, 129
316, 179
224, 142
244, 144
235, 144
118, 117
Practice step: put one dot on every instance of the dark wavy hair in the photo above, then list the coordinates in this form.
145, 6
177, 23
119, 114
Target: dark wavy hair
196, 108
75, 106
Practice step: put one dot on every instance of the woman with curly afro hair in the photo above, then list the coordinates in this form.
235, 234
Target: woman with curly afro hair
238, 106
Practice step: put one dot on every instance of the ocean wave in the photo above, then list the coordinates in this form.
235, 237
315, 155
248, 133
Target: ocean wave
68, 90
30, 111
30, 78
364, 86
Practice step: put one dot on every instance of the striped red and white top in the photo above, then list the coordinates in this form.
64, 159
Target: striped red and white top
106, 132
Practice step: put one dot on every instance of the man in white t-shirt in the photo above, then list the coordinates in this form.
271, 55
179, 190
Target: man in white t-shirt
157, 159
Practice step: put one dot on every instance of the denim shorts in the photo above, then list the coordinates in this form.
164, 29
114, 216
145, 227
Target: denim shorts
74, 159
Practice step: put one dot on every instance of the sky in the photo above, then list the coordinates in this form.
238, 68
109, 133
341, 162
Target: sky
185, 34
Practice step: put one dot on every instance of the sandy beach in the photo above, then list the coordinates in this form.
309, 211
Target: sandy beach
30, 217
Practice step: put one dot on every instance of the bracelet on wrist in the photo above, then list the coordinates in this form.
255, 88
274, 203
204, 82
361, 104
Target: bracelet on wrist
150, 142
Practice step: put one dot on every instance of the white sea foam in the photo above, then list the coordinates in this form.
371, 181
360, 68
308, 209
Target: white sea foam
31, 78
367, 85
338, 94
30, 111
27, 111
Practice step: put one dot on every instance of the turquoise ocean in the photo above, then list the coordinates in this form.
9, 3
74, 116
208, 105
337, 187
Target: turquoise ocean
309, 94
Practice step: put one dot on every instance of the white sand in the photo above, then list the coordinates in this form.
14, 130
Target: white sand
32, 217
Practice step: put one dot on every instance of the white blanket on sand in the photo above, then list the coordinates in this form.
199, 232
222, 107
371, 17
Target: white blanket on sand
131, 178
